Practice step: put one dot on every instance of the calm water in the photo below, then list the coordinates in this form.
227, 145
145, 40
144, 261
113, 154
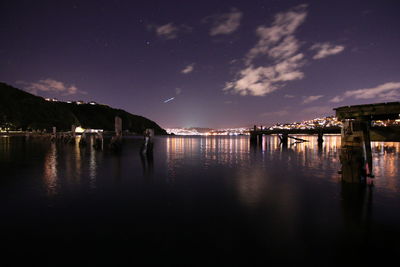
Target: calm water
200, 201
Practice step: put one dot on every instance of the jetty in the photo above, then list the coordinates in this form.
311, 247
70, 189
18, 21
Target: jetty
357, 135
284, 134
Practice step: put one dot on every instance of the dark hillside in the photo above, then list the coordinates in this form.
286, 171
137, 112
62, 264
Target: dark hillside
21, 110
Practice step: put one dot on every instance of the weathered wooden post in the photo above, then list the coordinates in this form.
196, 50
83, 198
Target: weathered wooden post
284, 139
367, 144
118, 126
259, 139
54, 134
71, 138
83, 141
116, 141
73, 128
146, 152
253, 135
320, 138
98, 141
148, 142
352, 153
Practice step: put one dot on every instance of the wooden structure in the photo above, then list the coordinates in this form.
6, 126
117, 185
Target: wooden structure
257, 133
380, 111
356, 154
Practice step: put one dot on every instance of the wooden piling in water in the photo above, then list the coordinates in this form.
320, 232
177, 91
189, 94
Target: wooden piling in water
354, 151
320, 138
259, 138
98, 141
147, 147
284, 139
253, 135
116, 141
53, 136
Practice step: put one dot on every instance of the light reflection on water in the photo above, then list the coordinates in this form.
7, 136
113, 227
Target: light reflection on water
92, 164
233, 152
320, 162
50, 171
200, 190
5, 142
386, 164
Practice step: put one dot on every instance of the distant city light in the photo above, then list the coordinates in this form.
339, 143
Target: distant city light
304, 125
209, 132
309, 124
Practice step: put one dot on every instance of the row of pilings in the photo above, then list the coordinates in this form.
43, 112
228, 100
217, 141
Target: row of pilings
113, 142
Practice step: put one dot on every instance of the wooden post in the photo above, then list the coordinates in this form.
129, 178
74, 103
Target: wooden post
367, 145
148, 142
73, 128
118, 126
352, 152
284, 139
54, 134
116, 141
98, 141
260, 136
71, 138
320, 138
253, 135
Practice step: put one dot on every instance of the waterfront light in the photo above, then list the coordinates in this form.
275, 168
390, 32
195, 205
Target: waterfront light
79, 130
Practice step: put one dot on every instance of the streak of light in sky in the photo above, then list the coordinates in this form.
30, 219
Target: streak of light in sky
169, 99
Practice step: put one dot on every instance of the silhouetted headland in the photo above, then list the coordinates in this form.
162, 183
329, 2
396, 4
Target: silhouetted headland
22, 110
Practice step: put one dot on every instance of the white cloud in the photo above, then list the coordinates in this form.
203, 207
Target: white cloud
50, 86
326, 49
260, 81
284, 25
279, 44
336, 99
288, 96
387, 91
286, 48
311, 98
226, 23
188, 69
167, 31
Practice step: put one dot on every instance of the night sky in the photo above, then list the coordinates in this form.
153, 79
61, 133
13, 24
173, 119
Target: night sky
219, 63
